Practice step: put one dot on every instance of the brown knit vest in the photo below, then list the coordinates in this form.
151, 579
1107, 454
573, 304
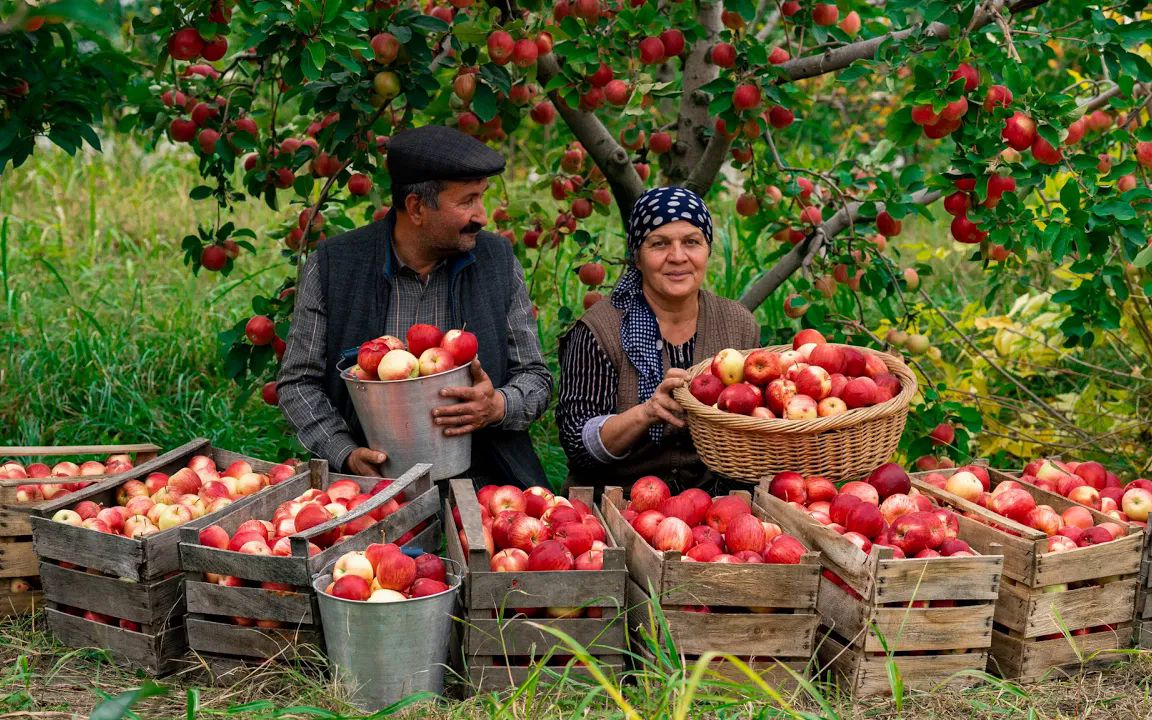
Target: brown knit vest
722, 323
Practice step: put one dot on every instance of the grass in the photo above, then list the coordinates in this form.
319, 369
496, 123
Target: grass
44, 680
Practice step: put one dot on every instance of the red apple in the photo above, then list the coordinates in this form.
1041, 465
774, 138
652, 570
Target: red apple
890, 479
789, 487
785, 550
648, 493
550, 555
728, 365
744, 533
706, 388
510, 560
672, 534
461, 344
646, 523
862, 490
865, 519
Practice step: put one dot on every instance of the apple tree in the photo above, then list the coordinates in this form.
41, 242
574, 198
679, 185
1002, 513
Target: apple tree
823, 127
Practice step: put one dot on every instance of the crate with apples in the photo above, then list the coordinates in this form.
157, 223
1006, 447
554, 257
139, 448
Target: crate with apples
109, 562
1096, 487
899, 585
727, 579
813, 407
534, 557
248, 575
1068, 593
24, 485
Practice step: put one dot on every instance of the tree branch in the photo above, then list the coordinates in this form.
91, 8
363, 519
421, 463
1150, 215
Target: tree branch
694, 121
767, 283
841, 57
609, 156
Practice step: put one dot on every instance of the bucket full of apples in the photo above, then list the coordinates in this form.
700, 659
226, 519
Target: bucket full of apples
814, 407
395, 386
387, 614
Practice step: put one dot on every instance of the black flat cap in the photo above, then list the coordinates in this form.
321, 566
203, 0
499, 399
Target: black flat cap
435, 152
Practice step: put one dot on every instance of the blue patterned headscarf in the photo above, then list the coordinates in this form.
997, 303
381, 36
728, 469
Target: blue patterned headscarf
639, 331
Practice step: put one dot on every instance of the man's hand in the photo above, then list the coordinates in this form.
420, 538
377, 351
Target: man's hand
479, 406
366, 462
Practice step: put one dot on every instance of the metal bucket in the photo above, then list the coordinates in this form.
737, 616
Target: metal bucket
384, 652
397, 418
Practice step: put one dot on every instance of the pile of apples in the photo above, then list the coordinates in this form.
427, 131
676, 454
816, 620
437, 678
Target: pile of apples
884, 510
382, 573
304, 512
706, 529
1071, 529
812, 380
429, 351
114, 465
1090, 483
535, 529
160, 502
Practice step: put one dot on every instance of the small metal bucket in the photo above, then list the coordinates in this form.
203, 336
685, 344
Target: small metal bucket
384, 652
397, 418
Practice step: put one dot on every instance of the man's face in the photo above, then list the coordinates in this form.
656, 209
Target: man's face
451, 227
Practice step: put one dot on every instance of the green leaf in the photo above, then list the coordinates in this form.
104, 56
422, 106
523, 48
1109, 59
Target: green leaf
1143, 258
120, 706
484, 103
318, 54
200, 192
82, 12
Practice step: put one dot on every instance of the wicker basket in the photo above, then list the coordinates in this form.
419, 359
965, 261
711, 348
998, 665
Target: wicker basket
841, 447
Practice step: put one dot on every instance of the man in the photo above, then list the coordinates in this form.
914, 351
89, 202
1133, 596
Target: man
427, 261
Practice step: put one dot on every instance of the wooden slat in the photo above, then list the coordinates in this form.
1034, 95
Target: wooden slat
1032, 660
155, 654
15, 523
1034, 613
291, 607
57, 450
572, 588
18, 559
754, 585
943, 578
1119, 557
867, 675
1018, 553
226, 639
523, 637
464, 498
767, 635
939, 628
154, 604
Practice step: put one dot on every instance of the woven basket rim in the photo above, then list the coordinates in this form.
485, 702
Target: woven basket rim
699, 411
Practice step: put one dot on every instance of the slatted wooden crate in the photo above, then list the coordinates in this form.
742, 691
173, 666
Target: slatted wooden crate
285, 624
499, 648
1032, 610
132, 579
18, 563
765, 614
926, 618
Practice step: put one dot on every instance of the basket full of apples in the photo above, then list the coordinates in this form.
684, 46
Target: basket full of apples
394, 386
816, 408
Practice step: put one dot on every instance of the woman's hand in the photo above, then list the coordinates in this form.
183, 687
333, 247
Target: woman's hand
662, 407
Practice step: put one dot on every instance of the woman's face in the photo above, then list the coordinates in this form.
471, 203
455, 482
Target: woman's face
673, 259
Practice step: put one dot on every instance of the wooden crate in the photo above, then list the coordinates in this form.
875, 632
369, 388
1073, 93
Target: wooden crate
498, 647
138, 580
17, 556
877, 621
148, 558
1031, 612
296, 616
781, 629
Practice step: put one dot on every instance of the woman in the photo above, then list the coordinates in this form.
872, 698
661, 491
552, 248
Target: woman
621, 361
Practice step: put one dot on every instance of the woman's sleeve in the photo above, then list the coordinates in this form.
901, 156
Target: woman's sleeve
588, 386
